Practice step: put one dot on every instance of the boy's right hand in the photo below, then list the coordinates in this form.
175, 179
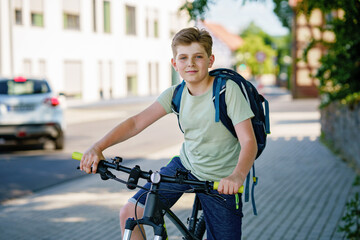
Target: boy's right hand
91, 158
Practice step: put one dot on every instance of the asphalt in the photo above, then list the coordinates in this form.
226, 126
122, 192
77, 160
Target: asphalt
301, 193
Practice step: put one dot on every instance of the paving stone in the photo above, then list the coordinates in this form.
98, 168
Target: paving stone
301, 193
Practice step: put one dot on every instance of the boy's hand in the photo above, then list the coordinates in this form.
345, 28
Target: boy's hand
91, 157
231, 184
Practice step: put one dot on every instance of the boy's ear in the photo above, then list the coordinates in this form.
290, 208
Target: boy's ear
212, 60
173, 63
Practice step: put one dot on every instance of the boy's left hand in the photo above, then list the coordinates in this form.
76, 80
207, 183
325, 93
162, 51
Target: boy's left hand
231, 184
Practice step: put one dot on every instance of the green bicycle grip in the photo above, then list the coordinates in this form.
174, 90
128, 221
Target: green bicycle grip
76, 156
216, 185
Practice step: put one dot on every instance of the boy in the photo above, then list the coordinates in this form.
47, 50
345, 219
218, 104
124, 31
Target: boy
210, 151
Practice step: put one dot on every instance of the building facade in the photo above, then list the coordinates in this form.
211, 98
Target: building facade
305, 29
91, 49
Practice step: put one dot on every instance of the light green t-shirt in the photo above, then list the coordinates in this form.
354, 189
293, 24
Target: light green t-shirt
210, 151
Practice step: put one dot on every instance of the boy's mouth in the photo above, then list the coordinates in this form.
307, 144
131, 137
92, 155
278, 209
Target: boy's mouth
191, 71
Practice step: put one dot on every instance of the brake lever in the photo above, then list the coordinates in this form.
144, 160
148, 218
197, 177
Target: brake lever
105, 174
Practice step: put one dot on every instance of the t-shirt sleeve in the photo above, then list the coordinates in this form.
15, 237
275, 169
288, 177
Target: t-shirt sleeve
238, 108
165, 98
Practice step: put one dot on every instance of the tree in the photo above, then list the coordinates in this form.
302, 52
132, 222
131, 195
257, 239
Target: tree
257, 51
284, 12
197, 8
257, 55
252, 29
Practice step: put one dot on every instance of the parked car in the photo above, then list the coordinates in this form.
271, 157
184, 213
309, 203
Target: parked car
30, 112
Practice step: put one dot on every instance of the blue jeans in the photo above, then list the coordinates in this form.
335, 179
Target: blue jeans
223, 217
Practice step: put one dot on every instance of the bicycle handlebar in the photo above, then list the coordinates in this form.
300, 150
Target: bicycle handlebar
103, 165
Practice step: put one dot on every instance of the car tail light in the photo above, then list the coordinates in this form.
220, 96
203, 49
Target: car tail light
20, 79
52, 101
21, 134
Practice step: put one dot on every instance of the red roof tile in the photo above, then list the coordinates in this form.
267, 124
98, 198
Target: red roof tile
233, 41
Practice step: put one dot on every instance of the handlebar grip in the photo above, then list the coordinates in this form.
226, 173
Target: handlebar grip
76, 156
216, 185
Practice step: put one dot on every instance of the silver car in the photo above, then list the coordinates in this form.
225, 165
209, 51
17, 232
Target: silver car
30, 112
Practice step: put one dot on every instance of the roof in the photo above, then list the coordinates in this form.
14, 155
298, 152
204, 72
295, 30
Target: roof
233, 41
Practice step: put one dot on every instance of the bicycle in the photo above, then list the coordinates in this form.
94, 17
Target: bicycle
155, 210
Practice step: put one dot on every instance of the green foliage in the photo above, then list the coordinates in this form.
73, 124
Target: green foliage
339, 74
198, 8
254, 30
284, 12
275, 48
253, 45
351, 219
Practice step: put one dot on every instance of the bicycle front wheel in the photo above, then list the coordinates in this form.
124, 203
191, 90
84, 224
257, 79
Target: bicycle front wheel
200, 227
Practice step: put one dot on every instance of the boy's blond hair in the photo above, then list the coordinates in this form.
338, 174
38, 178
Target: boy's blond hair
190, 35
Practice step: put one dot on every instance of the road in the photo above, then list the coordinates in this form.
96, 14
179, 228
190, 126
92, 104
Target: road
24, 170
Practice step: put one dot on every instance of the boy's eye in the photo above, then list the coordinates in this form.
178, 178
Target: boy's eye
199, 56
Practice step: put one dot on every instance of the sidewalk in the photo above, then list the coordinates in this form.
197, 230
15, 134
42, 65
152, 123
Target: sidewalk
301, 193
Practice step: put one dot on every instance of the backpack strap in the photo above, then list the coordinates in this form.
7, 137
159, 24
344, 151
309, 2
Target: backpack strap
219, 88
267, 116
247, 189
255, 181
216, 96
176, 100
222, 75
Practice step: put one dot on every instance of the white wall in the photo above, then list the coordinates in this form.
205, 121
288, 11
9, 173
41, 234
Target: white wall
54, 45
5, 39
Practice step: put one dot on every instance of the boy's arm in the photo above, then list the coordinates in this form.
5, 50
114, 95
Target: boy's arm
125, 130
246, 136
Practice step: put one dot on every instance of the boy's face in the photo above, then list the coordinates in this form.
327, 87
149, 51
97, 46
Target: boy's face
192, 62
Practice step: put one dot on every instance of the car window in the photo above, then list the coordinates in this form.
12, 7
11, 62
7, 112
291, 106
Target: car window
30, 86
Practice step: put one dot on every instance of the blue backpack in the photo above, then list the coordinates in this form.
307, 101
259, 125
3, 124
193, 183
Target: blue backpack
260, 121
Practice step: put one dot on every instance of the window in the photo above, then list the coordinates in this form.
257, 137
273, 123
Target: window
130, 20
175, 23
36, 11
73, 78
152, 23
105, 78
131, 78
18, 6
71, 21
101, 80
147, 27
42, 68
27, 67
94, 14
106, 16
71, 14
30, 86
156, 29
156, 24
37, 19
153, 71
18, 16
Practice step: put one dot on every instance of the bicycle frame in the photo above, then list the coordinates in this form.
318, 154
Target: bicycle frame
154, 212
154, 209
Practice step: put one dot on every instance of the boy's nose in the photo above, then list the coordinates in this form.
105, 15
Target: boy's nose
191, 62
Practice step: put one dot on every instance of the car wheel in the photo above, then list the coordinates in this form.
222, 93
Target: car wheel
59, 142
